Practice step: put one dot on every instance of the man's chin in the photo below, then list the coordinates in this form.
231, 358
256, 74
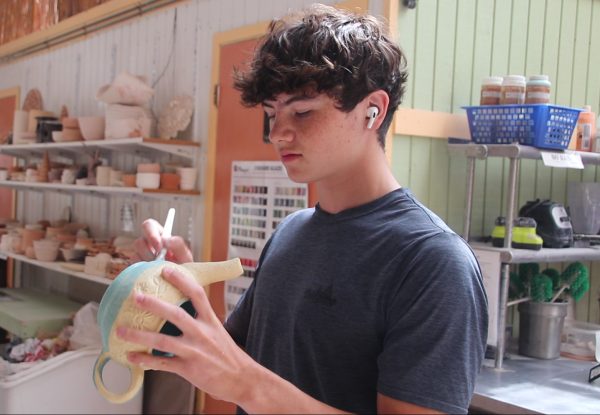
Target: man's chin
296, 176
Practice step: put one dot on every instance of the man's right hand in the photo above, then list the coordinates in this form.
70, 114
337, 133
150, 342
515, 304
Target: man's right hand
148, 246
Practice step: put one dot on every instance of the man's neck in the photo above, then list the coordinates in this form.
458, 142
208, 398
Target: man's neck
362, 186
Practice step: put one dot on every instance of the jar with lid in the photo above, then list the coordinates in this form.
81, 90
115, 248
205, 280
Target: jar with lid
586, 130
490, 90
513, 90
537, 90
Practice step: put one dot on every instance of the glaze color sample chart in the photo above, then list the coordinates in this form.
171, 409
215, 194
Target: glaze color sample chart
261, 196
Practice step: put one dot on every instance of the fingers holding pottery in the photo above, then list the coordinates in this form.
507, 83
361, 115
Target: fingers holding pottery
151, 340
143, 251
151, 238
148, 361
152, 241
177, 250
149, 244
167, 311
194, 291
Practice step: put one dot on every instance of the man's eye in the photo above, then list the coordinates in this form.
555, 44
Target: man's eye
302, 114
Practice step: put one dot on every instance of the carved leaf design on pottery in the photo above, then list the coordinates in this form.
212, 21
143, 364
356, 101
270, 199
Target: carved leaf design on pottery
153, 285
143, 320
175, 117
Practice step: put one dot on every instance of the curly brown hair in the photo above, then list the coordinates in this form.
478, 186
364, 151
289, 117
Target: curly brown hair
325, 50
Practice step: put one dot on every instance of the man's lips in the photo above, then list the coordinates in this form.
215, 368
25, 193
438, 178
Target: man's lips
287, 157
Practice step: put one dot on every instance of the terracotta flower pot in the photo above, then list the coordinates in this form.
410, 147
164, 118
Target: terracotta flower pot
169, 181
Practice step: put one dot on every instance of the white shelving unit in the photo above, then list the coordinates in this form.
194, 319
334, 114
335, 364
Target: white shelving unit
133, 191
58, 266
185, 151
508, 255
136, 145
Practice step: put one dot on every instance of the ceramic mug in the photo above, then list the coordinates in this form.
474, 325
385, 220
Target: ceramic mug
103, 175
117, 308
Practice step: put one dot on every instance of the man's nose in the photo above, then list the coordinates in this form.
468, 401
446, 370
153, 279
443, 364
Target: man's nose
280, 131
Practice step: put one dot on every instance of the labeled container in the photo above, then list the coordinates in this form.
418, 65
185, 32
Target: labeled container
491, 87
537, 90
586, 130
513, 90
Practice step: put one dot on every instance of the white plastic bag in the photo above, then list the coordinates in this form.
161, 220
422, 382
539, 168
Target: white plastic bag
85, 328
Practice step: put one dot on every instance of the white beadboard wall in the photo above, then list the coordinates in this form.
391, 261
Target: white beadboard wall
172, 47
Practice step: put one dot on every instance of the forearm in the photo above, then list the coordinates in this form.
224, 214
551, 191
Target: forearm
263, 391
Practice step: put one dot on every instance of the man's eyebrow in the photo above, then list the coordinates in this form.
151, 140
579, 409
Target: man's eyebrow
292, 99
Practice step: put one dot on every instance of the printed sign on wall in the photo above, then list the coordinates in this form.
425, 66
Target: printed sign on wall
261, 196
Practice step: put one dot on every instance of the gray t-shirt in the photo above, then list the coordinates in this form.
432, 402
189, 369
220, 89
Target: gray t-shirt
383, 297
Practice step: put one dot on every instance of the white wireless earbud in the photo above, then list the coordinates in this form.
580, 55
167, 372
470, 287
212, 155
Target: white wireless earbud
372, 113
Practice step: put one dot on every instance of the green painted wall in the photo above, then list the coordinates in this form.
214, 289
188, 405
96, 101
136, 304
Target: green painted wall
451, 45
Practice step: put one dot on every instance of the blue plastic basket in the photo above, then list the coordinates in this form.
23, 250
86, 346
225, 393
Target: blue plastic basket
538, 125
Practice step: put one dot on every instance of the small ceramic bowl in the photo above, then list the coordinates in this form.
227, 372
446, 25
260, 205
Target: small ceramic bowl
29, 236
57, 136
71, 134
92, 128
53, 231
73, 254
147, 180
70, 122
128, 180
46, 249
148, 168
65, 237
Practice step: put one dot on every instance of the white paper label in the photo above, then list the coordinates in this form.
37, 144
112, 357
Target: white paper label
489, 262
567, 159
490, 94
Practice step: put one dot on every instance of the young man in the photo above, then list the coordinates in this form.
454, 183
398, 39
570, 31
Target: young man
366, 303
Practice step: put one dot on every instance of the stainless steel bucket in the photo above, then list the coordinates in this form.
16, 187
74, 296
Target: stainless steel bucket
540, 328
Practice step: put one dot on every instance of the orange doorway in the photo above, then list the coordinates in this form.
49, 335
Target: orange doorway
8, 104
239, 137
235, 133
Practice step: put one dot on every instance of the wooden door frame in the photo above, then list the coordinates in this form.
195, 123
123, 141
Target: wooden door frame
12, 92
4, 93
390, 13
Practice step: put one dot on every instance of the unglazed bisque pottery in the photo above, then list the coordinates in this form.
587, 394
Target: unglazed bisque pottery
175, 117
117, 308
126, 89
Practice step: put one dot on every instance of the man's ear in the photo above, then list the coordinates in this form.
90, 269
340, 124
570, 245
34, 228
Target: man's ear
376, 103
372, 113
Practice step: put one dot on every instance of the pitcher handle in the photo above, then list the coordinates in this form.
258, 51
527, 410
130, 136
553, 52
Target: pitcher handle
137, 379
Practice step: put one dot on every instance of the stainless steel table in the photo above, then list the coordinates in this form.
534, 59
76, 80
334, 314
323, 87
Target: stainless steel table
525, 385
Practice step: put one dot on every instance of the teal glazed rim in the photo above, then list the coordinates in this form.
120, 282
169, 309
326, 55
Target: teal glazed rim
113, 298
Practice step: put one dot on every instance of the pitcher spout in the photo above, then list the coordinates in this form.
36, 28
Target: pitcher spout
207, 273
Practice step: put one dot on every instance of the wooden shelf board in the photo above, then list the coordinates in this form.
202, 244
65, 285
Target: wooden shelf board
435, 124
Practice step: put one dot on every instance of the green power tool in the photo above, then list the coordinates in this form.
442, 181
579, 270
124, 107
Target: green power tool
523, 234
499, 232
